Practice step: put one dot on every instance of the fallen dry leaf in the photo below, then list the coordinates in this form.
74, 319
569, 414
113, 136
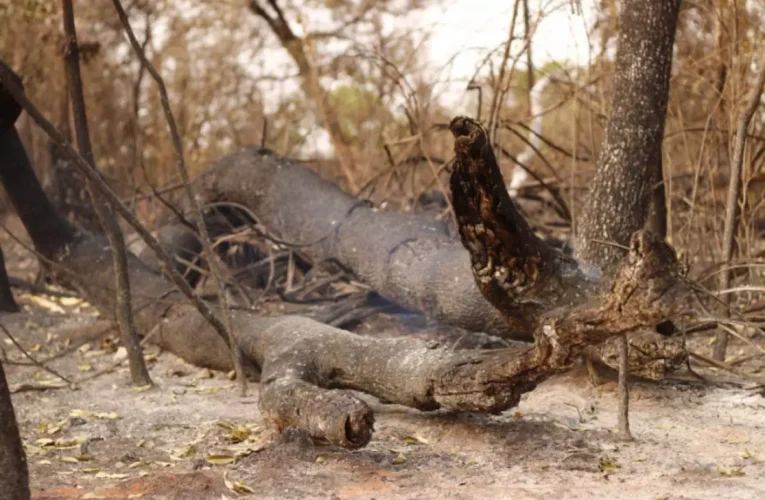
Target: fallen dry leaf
236, 486
221, 459
44, 303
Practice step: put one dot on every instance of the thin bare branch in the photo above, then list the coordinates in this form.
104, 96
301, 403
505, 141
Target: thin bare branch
32, 358
196, 210
138, 372
12, 87
734, 194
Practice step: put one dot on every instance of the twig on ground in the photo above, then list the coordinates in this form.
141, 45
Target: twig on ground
727, 367
623, 425
31, 358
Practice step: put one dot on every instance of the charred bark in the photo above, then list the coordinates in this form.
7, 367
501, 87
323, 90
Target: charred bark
516, 272
304, 363
409, 259
30, 201
7, 302
14, 476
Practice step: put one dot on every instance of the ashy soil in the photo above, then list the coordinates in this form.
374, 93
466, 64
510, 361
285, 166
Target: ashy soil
192, 437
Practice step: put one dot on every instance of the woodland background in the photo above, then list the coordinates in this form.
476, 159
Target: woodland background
364, 88
347, 87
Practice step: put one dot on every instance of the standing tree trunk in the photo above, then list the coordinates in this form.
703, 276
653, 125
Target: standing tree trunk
619, 199
629, 177
14, 476
312, 87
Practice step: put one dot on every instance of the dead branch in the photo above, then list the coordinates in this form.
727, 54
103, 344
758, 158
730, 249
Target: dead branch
31, 358
193, 202
304, 363
727, 367
411, 260
138, 373
734, 193
515, 271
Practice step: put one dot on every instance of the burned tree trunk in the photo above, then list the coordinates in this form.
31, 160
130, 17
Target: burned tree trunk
303, 363
409, 259
7, 302
631, 155
14, 476
629, 179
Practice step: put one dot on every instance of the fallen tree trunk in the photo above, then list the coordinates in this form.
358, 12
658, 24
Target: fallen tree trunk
408, 259
303, 362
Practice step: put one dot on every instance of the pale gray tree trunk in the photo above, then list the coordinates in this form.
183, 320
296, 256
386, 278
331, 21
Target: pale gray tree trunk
628, 178
631, 155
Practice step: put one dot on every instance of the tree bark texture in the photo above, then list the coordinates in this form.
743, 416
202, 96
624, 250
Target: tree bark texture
619, 198
14, 476
409, 259
306, 366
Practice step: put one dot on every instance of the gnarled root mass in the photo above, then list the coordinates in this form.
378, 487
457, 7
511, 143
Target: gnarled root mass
306, 367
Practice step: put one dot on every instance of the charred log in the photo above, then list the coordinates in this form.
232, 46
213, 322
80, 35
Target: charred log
411, 260
305, 366
515, 271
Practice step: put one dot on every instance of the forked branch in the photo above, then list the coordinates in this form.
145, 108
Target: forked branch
515, 270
